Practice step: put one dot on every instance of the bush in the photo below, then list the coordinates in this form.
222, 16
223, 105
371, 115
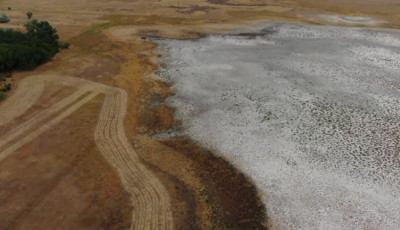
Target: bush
29, 14
64, 45
6, 88
4, 18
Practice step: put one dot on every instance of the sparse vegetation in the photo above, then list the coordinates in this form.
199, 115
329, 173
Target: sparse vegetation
23, 51
5, 86
4, 18
64, 45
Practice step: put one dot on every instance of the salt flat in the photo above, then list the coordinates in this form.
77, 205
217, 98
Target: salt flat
309, 113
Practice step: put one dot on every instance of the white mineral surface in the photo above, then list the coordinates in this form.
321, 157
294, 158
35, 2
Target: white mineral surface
310, 113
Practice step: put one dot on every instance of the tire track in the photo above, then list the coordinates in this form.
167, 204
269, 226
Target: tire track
41, 117
23, 141
151, 201
28, 92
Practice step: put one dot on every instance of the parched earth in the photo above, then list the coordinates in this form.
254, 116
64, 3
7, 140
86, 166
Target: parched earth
87, 140
150, 198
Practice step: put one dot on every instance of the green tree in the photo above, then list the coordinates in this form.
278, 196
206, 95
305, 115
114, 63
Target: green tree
29, 14
21, 51
42, 30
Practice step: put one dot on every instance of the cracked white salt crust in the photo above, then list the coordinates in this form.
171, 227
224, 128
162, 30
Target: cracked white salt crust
311, 114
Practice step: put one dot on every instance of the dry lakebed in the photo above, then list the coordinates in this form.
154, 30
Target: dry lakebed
310, 113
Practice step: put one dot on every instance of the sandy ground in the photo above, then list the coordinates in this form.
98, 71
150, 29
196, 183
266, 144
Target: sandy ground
310, 113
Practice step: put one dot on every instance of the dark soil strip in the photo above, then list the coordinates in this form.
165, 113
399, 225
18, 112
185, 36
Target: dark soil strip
227, 3
181, 196
191, 9
234, 199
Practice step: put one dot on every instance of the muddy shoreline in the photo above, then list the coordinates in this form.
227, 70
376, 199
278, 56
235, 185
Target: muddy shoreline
214, 195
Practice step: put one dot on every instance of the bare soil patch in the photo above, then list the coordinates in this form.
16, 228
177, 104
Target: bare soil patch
61, 181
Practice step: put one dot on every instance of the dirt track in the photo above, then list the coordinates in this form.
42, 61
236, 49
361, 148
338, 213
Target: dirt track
149, 198
21, 100
148, 194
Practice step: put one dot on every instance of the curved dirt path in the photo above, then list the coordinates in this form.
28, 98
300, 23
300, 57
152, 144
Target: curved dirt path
150, 199
28, 92
41, 117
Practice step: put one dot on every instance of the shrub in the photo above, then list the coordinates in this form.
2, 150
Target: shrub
6, 88
64, 45
29, 14
4, 18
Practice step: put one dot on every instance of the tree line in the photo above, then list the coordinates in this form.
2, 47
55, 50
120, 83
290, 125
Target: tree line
26, 50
